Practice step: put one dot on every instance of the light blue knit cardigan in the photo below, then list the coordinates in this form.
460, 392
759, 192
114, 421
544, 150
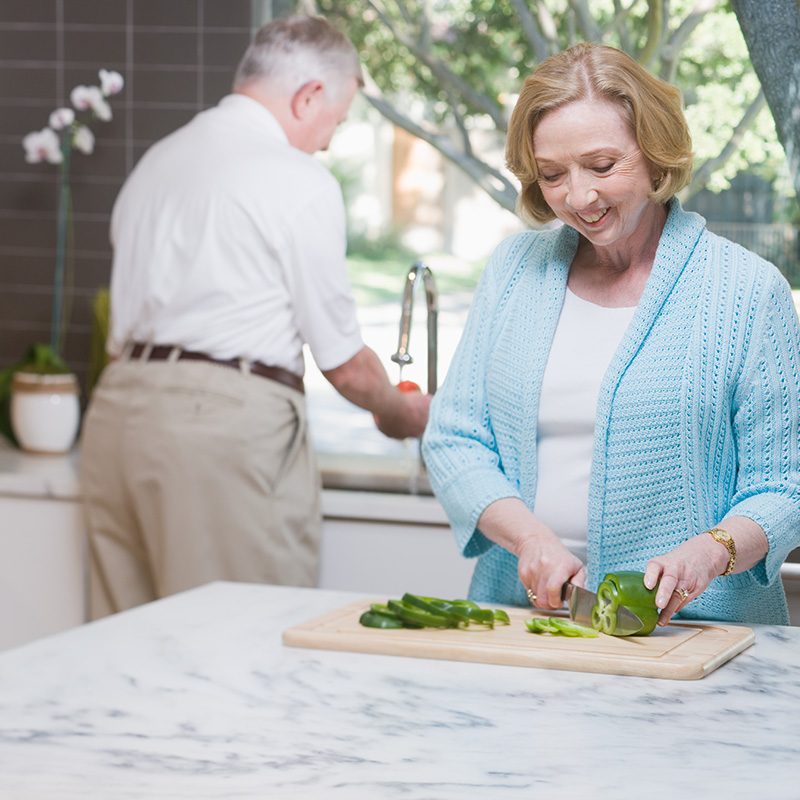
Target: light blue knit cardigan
698, 415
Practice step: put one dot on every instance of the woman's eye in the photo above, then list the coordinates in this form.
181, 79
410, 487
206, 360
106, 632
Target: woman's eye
549, 178
603, 168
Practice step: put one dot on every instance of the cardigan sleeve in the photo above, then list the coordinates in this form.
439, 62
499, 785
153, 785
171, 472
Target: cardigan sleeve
459, 446
767, 429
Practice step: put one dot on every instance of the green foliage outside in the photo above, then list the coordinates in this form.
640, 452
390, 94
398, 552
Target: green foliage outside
378, 270
445, 69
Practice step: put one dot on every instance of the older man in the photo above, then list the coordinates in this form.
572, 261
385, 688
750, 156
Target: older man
229, 256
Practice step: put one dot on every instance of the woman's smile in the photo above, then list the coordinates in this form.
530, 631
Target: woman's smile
594, 217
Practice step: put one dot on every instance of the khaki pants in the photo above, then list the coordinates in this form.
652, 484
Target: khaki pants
193, 472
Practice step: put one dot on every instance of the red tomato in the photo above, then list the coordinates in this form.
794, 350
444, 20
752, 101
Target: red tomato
404, 387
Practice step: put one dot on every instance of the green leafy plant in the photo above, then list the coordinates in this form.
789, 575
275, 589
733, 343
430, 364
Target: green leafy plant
98, 358
39, 358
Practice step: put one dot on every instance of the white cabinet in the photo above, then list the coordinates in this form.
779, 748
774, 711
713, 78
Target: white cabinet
42, 568
390, 544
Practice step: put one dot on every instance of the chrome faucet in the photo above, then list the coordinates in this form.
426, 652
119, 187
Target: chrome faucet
419, 273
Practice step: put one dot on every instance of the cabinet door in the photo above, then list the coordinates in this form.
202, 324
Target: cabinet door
43, 585
388, 559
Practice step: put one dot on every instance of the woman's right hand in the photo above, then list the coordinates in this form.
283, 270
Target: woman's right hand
545, 564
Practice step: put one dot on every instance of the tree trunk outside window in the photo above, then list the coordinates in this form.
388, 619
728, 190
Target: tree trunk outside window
771, 29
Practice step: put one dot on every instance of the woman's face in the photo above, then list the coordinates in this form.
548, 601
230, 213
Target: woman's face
591, 171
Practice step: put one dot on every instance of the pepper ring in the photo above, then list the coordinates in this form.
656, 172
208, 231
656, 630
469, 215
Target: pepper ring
682, 593
531, 596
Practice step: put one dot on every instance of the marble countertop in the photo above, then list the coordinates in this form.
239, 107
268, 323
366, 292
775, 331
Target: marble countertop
195, 696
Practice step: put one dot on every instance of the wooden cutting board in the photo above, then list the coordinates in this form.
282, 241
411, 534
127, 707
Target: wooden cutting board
678, 651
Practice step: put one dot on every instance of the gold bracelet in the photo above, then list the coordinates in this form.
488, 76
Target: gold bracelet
723, 537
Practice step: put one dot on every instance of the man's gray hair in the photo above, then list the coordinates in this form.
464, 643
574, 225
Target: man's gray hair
290, 52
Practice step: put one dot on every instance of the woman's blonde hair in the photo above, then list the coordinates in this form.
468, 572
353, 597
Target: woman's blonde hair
653, 107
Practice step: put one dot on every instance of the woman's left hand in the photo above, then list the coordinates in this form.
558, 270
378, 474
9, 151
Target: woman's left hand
684, 574
694, 564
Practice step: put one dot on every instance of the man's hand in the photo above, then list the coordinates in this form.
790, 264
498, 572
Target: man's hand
399, 411
410, 419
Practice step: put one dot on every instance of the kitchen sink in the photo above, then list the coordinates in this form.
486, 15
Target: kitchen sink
403, 474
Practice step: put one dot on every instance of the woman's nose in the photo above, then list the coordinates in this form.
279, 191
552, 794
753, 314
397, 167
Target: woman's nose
580, 191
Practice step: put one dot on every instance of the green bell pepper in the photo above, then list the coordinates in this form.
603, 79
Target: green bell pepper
624, 589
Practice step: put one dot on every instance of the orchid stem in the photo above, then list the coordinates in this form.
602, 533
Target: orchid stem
56, 326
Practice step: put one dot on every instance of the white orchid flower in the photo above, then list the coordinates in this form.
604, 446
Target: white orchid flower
46, 144
91, 97
102, 110
43, 145
83, 140
61, 118
81, 97
111, 82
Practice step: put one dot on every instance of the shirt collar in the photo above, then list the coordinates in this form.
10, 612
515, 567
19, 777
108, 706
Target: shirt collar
255, 113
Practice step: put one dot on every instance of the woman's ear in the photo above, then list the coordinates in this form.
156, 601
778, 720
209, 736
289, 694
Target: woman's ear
306, 98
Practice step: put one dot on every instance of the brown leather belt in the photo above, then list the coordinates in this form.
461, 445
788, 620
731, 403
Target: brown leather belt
162, 352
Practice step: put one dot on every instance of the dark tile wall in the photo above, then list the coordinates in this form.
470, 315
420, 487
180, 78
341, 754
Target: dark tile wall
177, 57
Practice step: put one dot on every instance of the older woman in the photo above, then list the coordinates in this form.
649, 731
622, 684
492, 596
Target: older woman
626, 393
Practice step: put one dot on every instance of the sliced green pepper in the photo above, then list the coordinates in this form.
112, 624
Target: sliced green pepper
557, 625
372, 619
463, 609
468, 610
501, 617
384, 610
569, 628
417, 616
624, 589
416, 611
540, 625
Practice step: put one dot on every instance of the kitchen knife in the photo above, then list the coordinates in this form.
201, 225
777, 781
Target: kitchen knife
581, 601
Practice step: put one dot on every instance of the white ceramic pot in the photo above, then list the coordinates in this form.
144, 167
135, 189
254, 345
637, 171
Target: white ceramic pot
45, 411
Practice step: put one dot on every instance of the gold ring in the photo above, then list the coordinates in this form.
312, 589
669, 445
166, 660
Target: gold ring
682, 593
531, 596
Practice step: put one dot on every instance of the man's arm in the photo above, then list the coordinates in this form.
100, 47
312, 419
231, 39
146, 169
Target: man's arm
363, 381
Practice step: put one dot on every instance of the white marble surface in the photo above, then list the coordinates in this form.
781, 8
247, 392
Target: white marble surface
196, 697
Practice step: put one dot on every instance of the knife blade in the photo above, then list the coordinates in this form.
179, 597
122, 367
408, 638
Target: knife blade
580, 602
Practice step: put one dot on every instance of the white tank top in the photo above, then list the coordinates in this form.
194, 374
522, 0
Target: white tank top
585, 341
